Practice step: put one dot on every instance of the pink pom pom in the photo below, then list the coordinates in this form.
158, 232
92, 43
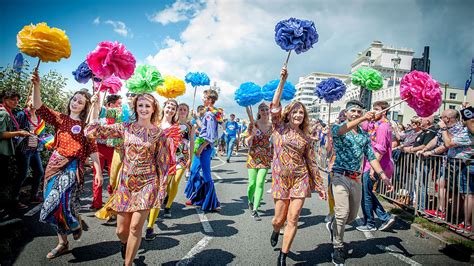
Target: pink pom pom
111, 58
111, 85
421, 92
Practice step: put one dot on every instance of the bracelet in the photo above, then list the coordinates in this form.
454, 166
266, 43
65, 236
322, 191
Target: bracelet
380, 173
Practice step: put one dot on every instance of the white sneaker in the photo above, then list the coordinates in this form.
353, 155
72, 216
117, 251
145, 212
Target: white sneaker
328, 218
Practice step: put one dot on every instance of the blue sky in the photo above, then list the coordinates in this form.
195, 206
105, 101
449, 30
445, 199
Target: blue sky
232, 40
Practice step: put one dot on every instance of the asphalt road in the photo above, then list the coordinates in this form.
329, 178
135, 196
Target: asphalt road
231, 236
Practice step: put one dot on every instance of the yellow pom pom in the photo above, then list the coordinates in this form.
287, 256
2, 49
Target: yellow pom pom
171, 88
49, 44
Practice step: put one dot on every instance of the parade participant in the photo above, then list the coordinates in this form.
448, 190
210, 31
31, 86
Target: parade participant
380, 132
243, 133
64, 177
27, 151
148, 155
183, 158
109, 114
259, 158
231, 129
169, 124
239, 133
200, 189
350, 144
294, 171
10, 133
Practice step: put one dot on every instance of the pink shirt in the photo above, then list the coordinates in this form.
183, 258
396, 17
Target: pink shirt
381, 145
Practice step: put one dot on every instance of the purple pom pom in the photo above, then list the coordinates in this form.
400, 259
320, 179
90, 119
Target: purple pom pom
296, 34
83, 73
330, 90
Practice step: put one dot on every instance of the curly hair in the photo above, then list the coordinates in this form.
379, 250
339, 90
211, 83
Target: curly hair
155, 117
285, 117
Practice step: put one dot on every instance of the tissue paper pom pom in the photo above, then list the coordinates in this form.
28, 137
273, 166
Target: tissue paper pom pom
48, 44
368, 78
248, 94
172, 87
330, 90
112, 85
421, 92
197, 79
111, 58
83, 73
296, 34
145, 79
269, 89
18, 62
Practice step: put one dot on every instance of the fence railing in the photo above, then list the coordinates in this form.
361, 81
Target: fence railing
436, 187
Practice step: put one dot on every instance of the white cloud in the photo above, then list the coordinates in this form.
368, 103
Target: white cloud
180, 10
233, 41
120, 28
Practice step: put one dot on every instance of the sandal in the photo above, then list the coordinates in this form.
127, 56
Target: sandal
76, 234
60, 249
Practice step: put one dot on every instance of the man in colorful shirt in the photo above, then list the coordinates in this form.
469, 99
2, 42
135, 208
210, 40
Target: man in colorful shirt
351, 144
459, 142
380, 132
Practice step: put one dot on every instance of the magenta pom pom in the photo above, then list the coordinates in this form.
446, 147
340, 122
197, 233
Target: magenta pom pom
111, 85
110, 58
421, 92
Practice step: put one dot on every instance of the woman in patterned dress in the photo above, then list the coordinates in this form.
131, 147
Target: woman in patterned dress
148, 155
295, 172
64, 179
169, 124
259, 158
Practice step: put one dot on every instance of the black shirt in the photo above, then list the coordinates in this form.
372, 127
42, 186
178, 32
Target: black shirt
425, 136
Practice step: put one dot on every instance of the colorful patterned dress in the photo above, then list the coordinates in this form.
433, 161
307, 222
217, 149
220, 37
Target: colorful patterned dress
146, 164
174, 135
182, 153
295, 171
64, 173
260, 152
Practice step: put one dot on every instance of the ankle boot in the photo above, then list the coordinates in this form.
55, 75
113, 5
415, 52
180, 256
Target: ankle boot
274, 238
282, 259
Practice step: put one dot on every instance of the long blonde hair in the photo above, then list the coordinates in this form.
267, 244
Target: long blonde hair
156, 106
287, 111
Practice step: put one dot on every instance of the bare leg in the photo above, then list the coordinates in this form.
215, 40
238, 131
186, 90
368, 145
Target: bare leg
123, 226
135, 236
468, 206
442, 195
281, 210
294, 211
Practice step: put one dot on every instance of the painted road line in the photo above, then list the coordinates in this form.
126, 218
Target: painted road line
390, 251
204, 221
218, 176
186, 260
34, 210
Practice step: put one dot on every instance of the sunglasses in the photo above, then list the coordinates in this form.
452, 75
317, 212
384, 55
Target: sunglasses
131, 94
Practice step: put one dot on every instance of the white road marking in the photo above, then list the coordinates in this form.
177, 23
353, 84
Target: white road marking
186, 260
34, 210
204, 221
223, 162
390, 251
218, 176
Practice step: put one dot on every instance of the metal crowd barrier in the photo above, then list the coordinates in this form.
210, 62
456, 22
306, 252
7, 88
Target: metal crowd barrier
431, 186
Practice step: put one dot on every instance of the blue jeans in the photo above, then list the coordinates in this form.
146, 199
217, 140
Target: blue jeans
230, 140
24, 161
370, 203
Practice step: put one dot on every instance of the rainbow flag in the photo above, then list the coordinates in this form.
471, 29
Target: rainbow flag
40, 128
47, 141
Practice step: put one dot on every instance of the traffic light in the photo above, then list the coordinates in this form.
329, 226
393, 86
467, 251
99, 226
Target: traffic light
422, 64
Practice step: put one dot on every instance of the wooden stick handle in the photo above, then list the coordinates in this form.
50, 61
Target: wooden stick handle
194, 98
390, 107
287, 58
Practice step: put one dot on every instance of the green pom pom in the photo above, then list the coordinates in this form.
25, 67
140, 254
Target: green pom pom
198, 143
145, 79
368, 78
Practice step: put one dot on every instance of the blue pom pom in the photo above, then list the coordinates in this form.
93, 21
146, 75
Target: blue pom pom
269, 89
197, 79
296, 34
18, 62
83, 73
248, 94
330, 90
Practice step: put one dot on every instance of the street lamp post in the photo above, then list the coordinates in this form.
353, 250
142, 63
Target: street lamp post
396, 62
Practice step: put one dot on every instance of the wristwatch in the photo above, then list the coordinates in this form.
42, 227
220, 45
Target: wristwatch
380, 173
